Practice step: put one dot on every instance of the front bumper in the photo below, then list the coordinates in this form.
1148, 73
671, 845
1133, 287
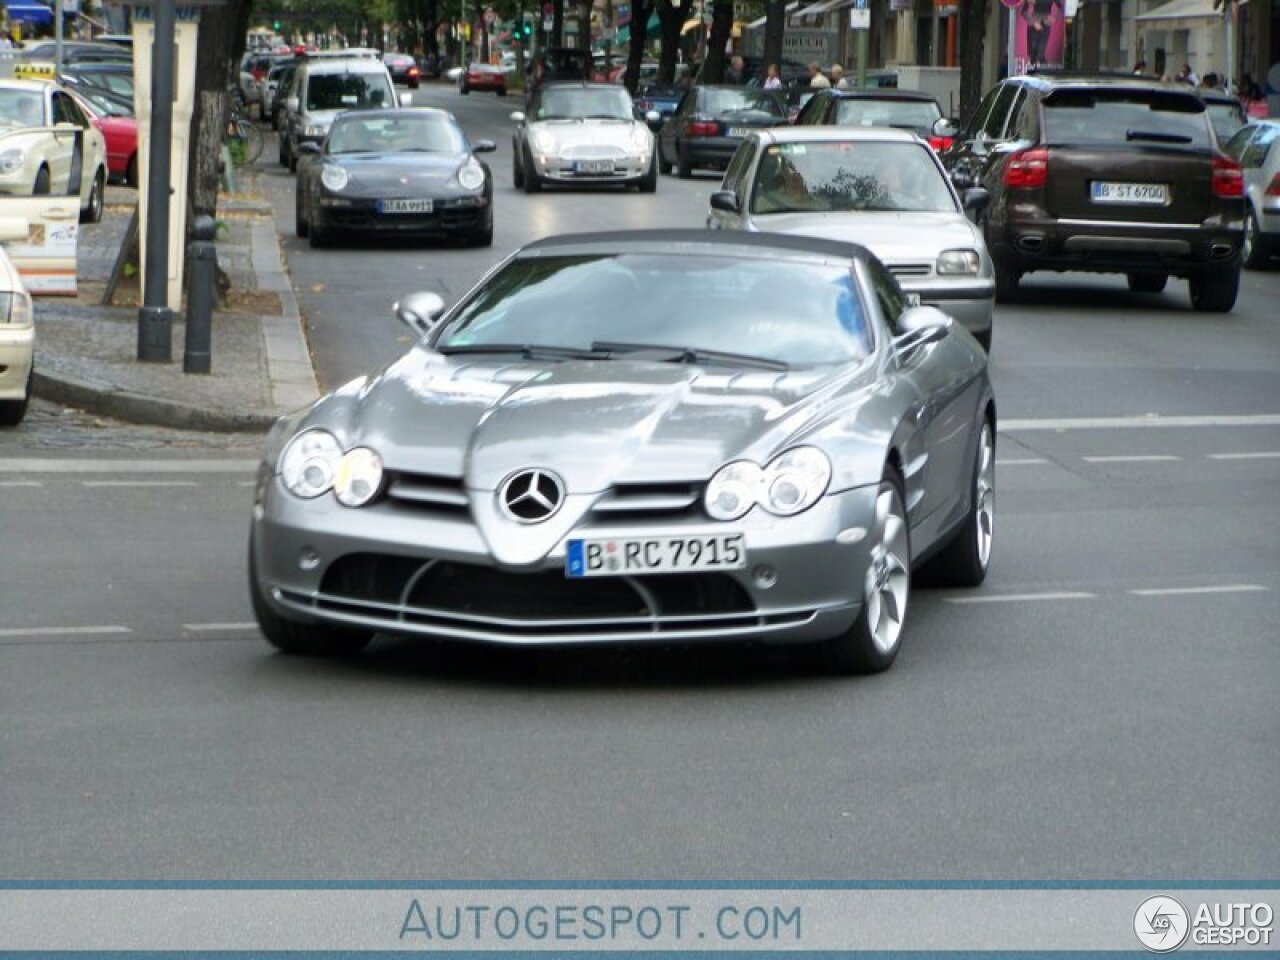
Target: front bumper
17, 345
570, 169
427, 573
970, 302
449, 215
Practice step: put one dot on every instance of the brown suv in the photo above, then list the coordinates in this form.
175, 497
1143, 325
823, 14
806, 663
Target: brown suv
1104, 175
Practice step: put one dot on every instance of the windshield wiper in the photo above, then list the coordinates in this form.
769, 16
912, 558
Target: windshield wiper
673, 354
1155, 136
529, 351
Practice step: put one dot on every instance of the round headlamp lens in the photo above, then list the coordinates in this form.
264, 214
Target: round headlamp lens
733, 490
334, 178
358, 478
471, 176
309, 463
795, 480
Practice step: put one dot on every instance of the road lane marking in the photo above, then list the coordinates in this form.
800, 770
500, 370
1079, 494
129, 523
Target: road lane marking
218, 627
1256, 455
21, 483
1175, 591
1017, 597
52, 465
1024, 462
1132, 458
61, 631
139, 483
1129, 423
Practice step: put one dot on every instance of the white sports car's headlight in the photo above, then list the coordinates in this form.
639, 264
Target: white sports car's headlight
11, 160
641, 139
733, 490
334, 178
542, 141
963, 263
471, 175
359, 477
309, 463
794, 481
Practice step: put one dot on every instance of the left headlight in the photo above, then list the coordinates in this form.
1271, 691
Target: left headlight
791, 483
471, 175
959, 263
359, 477
313, 463
11, 160
334, 178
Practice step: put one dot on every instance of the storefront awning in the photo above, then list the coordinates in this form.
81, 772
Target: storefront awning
819, 9
757, 23
28, 12
1180, 10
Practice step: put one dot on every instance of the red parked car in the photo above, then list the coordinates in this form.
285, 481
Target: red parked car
114, 117
483, 76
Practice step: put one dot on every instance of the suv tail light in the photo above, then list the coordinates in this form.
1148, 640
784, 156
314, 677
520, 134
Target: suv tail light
1027, 168
413, 71
703, 128
940, 143
1273, 188
1228, 178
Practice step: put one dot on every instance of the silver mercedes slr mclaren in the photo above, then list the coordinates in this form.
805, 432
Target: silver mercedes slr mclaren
639, 437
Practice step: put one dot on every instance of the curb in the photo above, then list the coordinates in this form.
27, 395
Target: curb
111, 401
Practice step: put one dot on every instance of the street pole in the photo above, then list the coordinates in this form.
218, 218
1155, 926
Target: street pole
57, 40
1228, 13
1013, 41
155, 319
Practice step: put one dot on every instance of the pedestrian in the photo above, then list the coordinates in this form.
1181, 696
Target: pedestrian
1209, 81
736, 74
1140, 68
1187, 75
772, 80
817, 79
838, 79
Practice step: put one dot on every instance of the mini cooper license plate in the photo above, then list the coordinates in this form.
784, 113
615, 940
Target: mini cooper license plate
593, 166
633, 556
1138, 194
406, 206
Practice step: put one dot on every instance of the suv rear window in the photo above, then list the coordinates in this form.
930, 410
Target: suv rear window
348, 91
1125, 116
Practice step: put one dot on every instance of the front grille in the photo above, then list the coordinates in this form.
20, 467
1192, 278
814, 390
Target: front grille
592, 151
632, 501
910, 269
427, 492
418, 593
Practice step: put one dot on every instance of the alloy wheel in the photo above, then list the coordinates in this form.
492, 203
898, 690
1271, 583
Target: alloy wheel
984, 496
888, 578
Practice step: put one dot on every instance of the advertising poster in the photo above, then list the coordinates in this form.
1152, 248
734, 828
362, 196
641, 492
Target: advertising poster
1040, 32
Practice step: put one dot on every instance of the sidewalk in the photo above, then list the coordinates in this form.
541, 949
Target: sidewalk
86, 353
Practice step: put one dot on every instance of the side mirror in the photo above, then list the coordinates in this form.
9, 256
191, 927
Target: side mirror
406, 99
653, 118
724, 200
291, 104
517, 117
311, 148
962, 180
14, 229
484, 146
976, 199
420, 312
920, 325
945, 127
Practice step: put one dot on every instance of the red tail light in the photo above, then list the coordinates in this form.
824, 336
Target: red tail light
703, 128
1228, 178
644, 106
940, 143
1273, 188
413, 71
1027, 169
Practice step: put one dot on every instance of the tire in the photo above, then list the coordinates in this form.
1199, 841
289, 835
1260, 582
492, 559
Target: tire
964, 561
318, 237
42, 185
12, 411
517, 168
1006, 282
1215, 292
464, 90
301, 226
649, 182
1147, 282
97, 199
684, 169
872, 642
131, 172
1254, 252
310, 640
502, 93
532, 182
664, 167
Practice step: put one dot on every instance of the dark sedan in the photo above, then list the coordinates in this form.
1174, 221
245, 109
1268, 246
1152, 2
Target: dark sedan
407, 170
403, 69
709, 124
900, 109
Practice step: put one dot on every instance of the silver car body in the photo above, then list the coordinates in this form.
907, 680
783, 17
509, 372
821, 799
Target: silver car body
584, 149
634, 442
1257, 148
907, 242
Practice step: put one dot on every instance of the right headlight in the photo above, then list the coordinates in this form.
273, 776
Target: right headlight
791, 483
965, 263
11, 160
15, 308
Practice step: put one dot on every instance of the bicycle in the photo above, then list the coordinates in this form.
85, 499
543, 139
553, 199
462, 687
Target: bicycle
244, 138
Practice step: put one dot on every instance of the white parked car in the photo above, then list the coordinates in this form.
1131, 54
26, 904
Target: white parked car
38, 121
881, 188
17, 337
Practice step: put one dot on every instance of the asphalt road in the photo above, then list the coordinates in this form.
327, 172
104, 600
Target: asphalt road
1104, 708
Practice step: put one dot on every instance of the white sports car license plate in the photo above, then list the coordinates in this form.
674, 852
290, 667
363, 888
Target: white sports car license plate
632, 556
593, 166
1141, 194
406, 206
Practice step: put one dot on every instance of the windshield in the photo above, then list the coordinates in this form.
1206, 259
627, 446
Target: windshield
402, 131
21, 108
718, 103
911, 114
799, 314
348, 91
571, 103
1124, 116
852, 175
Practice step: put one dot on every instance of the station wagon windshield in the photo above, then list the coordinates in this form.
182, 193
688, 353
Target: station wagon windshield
849, 175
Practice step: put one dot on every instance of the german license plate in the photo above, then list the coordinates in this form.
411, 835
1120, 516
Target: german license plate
738, 131
593, 166
406, 206
633, 556
1141, 194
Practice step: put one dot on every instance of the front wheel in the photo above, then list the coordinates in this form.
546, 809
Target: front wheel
649, 182
872, 643
303, 639
1215, 292
532, 182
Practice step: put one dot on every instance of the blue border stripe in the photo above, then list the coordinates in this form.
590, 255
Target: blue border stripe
604, 955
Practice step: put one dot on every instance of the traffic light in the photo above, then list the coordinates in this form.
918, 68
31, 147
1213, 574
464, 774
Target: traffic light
526, 28
276, 25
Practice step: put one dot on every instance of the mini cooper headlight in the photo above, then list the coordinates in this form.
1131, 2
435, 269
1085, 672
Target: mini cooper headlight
794, 481
358, 478
542, 141
471, 175
963, 263
733, 490
309, 463
334, 178
11, 160
641, 139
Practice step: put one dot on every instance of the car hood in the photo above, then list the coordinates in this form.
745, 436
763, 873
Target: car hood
398, 171
573, 133
893, 237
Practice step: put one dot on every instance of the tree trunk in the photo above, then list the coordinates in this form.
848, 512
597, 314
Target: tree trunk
557, 24
774, 26
721, 30
671, 18
641, 11
973, 22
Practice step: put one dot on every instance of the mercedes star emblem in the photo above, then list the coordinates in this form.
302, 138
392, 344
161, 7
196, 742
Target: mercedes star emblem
531, 496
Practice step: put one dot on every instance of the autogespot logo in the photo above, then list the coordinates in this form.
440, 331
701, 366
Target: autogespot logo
1161, 924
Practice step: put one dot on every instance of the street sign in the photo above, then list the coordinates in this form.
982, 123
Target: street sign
859, 18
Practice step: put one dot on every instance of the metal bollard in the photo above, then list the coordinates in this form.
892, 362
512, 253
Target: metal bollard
202, 265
